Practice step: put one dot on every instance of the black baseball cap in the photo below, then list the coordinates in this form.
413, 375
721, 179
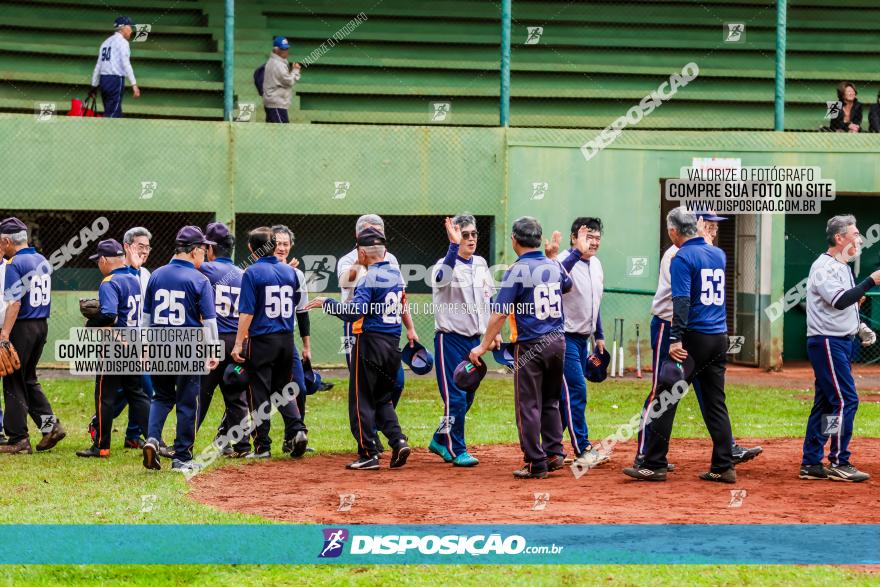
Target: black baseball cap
673, 371
370, 236
107, 248
597, 365
236, 375
468, 376
12, 225
192, 235
216, 231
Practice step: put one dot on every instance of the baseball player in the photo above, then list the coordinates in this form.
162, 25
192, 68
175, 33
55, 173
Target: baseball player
460, 280
698, 331
582, 321
378, 306
832, 323
225, 279
113, 66
661, 321
119, 296
266, 318
3, 439
178, 295
28, 300
531, 293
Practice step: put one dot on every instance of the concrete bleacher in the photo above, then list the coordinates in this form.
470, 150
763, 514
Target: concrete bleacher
592, 63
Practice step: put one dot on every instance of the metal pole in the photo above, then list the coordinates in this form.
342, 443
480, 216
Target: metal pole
505, 62
779, 104
228, 51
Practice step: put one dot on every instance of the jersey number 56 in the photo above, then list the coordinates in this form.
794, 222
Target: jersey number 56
279, 301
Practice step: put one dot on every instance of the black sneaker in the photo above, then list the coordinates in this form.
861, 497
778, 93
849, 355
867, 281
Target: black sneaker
399, 455
846, 472
235, 453
528, 471
813, 472
645, 474
3, 439
639, 462
300, 442
364, 464
728, 476
93, 451
744, 455
151, 454
164, 450
555, 463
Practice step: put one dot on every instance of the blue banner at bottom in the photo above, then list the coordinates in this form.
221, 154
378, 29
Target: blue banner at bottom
441, 544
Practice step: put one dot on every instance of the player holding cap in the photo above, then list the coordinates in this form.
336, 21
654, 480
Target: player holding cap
266, 319
27, 296
225, 278
178, 295
461, 279
113, 66
832, 322
378, 303
699, 331
582, 320
661, 322
119, 296
531, 293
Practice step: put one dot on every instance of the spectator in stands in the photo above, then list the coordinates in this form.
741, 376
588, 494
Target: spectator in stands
849, 118
874, 116
280, 76
114, 65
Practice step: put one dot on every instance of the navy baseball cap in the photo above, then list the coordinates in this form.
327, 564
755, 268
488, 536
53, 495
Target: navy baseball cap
417, 358
122, 21
312, 378
280, 43
108, 248
216, 230
709, 215
597, 365
504, 355
192, 235
468, 376
236, 375
370, 236
672, 372
12, 225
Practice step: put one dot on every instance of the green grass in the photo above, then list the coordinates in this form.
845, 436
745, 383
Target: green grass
58, 488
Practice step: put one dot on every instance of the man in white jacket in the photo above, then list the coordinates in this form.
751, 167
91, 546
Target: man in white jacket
113, 66
278, 81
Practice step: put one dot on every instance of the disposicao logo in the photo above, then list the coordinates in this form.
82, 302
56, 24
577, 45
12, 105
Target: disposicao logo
334, 542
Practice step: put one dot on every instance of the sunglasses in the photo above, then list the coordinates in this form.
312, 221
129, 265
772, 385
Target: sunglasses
467, 234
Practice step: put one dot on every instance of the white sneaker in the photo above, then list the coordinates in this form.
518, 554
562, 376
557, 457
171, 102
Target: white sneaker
591, 458
258, 455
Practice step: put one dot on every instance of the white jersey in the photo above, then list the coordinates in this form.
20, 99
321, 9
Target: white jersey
345, 263
662, 304
2, 289
461, 301
303, 292
828, 279
581, 302
114, 58
144, 278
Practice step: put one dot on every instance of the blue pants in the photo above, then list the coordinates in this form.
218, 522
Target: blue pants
449, 350
836, 401
399, 383
182, 393
573, 405
277, 115
112, 88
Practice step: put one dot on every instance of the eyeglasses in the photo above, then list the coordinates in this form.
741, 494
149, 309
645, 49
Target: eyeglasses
467, 234
143, 247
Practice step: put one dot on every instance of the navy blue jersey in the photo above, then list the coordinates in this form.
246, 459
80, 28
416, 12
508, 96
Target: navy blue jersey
697, 273
225, 277
120, 294
268, 291
377, 303
531, 293
29, 279
178, 295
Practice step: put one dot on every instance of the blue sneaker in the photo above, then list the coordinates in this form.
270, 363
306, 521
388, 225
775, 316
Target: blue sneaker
465, 460
440, 450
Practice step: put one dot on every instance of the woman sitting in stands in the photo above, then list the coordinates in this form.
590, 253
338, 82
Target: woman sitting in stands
849, 117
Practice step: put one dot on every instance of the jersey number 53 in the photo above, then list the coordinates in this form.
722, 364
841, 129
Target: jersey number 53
712, 287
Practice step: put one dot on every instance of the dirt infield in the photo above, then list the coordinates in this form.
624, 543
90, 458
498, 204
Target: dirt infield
430, 491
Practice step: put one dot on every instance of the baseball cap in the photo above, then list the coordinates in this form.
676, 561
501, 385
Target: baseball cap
12, 225
122, 21
312, 378
108, 248
709, 215
192, 235
216, 231
417, 358
597, 365
370, 236
235, 375
468, 376
280, 43
672, 372
504, 355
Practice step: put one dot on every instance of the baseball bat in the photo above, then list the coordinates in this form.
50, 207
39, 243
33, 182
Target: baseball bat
620, 362
614, 350
638, 353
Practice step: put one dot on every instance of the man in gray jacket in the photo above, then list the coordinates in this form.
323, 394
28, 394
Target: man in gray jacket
278, 81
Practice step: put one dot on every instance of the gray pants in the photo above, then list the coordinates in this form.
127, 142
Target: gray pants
537, 384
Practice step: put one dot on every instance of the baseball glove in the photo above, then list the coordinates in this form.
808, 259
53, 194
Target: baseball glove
89, 307
9, 362
866, 335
